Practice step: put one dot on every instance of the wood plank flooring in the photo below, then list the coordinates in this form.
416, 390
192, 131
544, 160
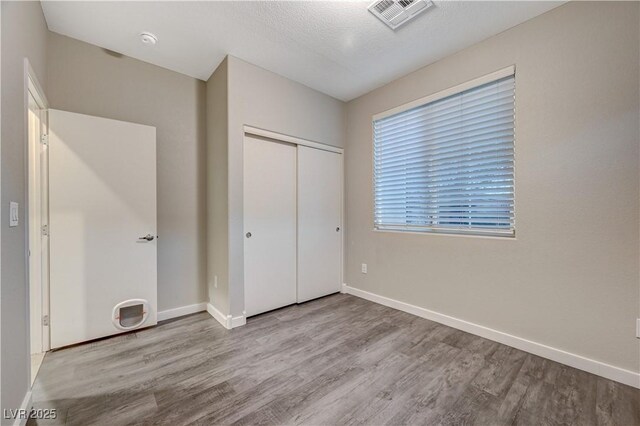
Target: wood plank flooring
336, 360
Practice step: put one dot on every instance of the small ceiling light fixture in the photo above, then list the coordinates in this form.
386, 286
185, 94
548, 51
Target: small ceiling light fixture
148, 38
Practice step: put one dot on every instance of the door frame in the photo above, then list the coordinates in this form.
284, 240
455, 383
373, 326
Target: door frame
279, 137
32, 87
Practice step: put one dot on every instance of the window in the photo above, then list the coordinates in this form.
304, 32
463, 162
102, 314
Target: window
445, 163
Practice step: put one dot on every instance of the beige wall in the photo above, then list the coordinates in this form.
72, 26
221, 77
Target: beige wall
217, 188
570, 278
24, 34
87, 79
262, 99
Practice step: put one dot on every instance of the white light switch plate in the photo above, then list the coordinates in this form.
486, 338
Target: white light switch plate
638, 328
364, 268
14, 214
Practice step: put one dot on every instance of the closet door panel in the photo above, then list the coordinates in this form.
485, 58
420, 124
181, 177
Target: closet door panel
319, 223
269, 225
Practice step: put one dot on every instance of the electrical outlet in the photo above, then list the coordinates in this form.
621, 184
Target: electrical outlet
215, 281
364, 268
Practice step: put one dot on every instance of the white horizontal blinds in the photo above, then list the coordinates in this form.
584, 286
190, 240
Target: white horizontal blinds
448, 165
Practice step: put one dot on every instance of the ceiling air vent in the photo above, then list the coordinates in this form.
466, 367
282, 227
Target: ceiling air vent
395, 13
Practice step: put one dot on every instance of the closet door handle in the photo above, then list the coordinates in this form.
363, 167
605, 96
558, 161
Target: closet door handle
248, 234
338, 229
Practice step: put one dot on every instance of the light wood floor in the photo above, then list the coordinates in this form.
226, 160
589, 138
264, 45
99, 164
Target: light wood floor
336, 360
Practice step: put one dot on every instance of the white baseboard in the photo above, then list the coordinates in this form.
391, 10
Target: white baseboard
608, 371
239, 320
181, 311
24, 408
227, 321
219, 316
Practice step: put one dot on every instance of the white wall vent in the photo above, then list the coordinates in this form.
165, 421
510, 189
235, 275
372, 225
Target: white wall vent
395, 13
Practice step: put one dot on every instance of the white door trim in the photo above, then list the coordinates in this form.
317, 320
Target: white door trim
290, 139
32, 87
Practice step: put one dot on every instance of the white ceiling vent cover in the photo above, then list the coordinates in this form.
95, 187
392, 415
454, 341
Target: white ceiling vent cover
395, 13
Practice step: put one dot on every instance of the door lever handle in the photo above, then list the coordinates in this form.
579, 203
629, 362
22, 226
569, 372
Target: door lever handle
147, 237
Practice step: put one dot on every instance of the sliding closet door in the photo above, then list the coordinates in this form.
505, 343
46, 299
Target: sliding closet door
269, 225
319, 223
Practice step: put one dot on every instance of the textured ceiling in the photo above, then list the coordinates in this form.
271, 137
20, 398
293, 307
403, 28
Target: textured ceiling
338, 48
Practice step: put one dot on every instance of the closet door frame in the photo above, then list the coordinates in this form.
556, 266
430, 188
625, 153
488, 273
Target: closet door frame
248, 130
279, 137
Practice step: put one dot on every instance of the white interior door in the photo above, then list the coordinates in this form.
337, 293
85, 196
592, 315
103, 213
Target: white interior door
319, 223
102, 200
269, 225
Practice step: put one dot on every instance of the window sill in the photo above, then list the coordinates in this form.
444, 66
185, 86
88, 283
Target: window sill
451, 233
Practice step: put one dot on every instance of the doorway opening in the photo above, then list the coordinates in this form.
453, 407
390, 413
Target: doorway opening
37, 221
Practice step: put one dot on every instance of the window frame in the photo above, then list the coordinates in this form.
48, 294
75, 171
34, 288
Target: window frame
454, 90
